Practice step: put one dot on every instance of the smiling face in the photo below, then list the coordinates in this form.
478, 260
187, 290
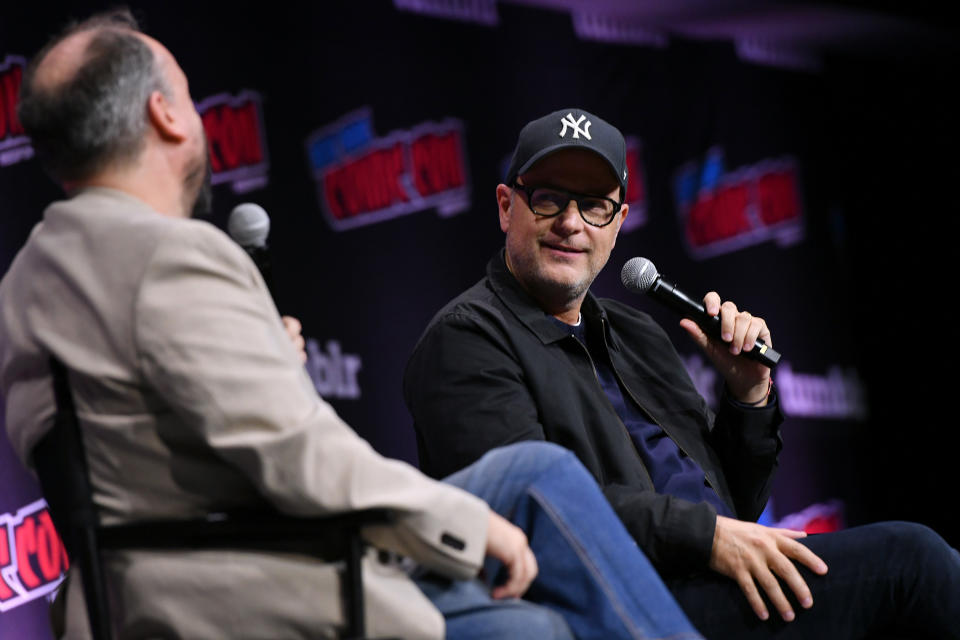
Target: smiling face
556, 259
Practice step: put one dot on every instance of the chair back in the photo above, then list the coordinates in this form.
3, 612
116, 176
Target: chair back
62, 469
61, 465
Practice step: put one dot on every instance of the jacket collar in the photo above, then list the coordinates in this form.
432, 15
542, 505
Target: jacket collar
525, 308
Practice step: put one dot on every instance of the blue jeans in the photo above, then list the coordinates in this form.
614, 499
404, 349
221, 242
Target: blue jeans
592, 575
885, 580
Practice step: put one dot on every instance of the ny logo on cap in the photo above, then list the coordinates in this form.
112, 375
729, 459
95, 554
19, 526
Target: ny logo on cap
568, 121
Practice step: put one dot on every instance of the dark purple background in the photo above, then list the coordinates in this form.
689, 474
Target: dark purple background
875, 135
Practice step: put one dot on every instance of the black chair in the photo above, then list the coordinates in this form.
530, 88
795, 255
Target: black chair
62, 469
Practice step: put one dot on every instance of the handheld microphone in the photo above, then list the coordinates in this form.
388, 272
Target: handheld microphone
249, 226
640, 276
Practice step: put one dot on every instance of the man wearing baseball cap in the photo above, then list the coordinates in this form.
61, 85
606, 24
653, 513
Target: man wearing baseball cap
528, 353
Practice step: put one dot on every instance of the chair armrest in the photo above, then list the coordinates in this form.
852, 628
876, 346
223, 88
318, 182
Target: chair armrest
327, 537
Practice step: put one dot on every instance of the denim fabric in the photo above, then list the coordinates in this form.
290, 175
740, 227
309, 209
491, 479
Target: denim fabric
471, 614
884, 580
591, 571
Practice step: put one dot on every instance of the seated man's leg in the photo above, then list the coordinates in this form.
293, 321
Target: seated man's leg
892, 578
471, 614
591, 570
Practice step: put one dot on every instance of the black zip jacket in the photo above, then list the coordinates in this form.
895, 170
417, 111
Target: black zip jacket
492, 369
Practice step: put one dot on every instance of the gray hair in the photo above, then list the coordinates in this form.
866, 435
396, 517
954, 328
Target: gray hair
98, 117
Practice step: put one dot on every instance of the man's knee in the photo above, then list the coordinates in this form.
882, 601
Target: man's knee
909, 537
516, 467
915, 551
924, 544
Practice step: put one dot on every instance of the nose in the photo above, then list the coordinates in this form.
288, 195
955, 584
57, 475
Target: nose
568, 221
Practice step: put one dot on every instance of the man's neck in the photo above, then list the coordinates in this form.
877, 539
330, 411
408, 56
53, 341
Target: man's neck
145, 181
569, 316
565, 311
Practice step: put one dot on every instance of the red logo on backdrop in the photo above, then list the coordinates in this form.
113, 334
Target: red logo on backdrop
823, 517
636, 187
235, 134
364, 179
725, 211
33, 559
14, 143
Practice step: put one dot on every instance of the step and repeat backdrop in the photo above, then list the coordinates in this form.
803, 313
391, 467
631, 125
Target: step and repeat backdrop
375, 135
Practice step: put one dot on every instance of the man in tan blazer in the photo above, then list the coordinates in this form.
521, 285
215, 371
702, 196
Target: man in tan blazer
191, 394
192, 397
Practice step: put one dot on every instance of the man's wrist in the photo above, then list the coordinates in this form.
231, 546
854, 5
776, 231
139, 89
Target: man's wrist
747, 402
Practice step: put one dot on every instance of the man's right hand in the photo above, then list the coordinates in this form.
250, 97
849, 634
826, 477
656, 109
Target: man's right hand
507, 543
751, 554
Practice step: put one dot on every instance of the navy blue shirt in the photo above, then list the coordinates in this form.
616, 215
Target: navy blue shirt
672, 471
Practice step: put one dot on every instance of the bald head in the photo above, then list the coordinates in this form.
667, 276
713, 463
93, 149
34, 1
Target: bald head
84, 96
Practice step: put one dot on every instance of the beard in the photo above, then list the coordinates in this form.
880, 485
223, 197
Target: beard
197, 186
551, 293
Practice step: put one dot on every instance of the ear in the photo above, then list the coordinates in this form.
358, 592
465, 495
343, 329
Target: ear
165, 119
623, 216
504, 193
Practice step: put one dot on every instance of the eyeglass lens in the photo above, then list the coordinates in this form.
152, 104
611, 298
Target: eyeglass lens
549, 202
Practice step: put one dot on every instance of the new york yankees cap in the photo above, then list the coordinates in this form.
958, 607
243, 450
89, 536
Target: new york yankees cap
565, 129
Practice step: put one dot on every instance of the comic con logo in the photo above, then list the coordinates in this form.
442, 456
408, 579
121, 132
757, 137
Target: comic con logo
235, 133
636, 187
363, 178
723, 211
33, 559
14, 143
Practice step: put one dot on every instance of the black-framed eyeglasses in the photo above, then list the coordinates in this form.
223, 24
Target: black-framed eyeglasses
597, 211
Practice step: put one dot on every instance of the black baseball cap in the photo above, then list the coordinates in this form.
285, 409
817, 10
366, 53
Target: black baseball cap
566, 129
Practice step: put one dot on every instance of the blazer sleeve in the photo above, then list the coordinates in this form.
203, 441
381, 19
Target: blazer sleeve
212, 344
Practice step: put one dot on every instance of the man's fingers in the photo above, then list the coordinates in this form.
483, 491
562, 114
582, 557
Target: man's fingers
771, 586
511, 588
785, 568
738, 328
711, 302
741, 325
534, 568
759, 559
293, 328
521, 572
787, 572
515, 570
754, 330
508, 544
801, 553
728, 320
745, 580
695, 332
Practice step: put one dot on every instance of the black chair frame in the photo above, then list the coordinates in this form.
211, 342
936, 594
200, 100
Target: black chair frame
61, 466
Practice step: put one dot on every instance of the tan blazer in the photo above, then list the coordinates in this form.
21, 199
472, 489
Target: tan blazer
192, 399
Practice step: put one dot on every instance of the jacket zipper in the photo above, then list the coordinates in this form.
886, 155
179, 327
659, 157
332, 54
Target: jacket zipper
604, 393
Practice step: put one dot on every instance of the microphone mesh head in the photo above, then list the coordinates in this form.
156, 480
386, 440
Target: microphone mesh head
249, 225
638, 275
